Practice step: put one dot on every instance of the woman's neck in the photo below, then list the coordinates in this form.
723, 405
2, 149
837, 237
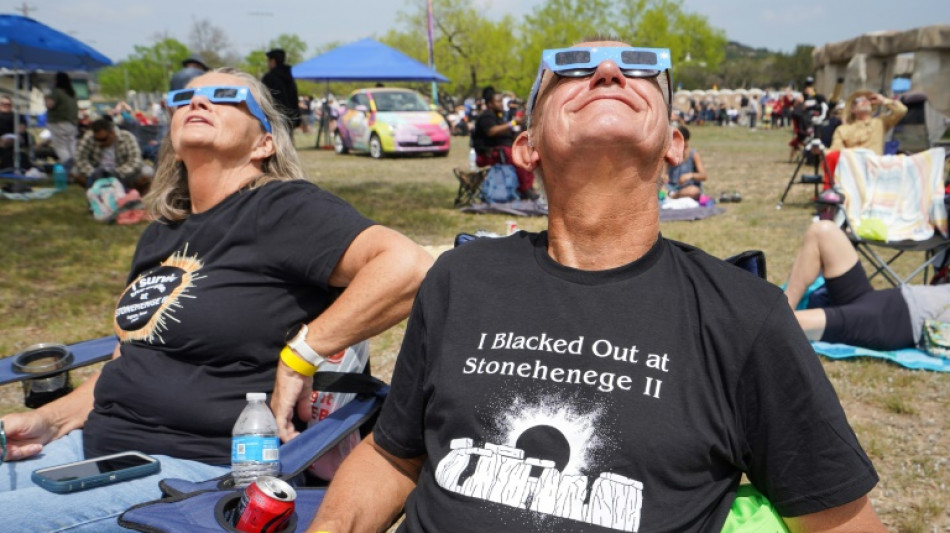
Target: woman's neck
210, 182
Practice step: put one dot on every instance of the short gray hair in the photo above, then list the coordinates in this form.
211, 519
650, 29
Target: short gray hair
169, 198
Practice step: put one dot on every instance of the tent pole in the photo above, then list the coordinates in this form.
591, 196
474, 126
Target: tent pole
16, 124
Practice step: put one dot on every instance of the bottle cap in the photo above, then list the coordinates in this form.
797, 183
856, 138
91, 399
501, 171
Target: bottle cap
252, 396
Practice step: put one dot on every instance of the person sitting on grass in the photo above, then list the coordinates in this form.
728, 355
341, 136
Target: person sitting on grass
106, 150
685, 180
887, 319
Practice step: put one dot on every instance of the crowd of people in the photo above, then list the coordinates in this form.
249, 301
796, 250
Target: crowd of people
510, 343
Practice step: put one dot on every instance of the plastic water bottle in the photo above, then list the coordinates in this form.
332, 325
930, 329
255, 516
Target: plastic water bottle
472, 165
59, 176
255, 446
323, 403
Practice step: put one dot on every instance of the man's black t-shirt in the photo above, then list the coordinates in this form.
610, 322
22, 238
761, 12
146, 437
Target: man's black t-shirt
481, 141
558, 400
209, 303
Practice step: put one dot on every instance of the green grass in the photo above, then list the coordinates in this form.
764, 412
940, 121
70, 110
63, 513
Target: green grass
60, 273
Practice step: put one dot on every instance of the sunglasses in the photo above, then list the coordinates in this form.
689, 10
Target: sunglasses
582, 62
219, 94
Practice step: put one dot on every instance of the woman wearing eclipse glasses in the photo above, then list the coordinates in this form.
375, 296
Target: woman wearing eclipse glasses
242, 251
596, 376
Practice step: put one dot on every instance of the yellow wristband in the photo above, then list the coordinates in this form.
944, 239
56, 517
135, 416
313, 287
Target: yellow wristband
296, 363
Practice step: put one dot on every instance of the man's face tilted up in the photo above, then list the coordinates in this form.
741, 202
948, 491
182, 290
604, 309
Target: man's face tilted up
603, 98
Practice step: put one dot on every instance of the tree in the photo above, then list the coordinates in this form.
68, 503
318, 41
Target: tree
147, 69
212, 44
697, 48
469, 49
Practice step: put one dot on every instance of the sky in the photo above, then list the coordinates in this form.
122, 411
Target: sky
114, 27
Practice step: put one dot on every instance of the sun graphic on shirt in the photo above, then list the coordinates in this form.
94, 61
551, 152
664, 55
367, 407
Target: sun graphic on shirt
555, 430
150, 301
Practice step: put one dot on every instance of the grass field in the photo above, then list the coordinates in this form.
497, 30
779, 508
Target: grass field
60, 273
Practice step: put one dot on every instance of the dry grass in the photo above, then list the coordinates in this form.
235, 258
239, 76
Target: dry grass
60, 272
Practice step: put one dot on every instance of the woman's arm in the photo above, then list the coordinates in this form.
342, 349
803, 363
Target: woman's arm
381, 270
700, 174
28, 432
346, 507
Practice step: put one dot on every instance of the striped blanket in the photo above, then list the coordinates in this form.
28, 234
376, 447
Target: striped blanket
904, 192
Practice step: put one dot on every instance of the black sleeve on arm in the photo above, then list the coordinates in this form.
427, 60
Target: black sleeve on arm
799, 449
401, 425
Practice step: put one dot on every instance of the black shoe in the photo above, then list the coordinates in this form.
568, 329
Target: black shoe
529, 195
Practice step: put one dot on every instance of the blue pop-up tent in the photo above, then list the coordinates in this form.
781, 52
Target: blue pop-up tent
365, 60
29, 46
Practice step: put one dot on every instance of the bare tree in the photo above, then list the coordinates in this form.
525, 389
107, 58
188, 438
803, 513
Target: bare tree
212, 44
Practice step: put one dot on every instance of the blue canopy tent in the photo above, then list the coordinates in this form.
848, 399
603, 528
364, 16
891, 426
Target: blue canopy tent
29, 46
363, 60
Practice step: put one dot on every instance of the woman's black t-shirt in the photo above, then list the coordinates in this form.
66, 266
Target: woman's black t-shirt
209, 303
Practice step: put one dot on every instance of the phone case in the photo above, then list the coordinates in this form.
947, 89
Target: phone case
107, 478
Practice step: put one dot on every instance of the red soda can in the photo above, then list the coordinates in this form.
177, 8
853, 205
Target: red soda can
266, 506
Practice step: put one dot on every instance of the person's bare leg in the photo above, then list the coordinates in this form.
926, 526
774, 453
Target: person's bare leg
812, 321
825, 249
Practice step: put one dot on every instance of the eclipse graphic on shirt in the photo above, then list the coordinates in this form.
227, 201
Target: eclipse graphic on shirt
542, 461
147, 304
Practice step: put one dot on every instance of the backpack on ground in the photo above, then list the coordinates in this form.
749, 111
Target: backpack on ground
500, 185
104, 196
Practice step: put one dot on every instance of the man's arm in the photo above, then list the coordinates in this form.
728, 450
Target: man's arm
855, 517
83, 163
348, 505
128, 155
896, 111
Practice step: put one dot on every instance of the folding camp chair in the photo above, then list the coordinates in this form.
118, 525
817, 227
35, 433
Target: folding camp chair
894, 205
207, 506
470, 185
202, 507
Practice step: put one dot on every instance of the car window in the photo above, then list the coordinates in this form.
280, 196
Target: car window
353, 101
399, 101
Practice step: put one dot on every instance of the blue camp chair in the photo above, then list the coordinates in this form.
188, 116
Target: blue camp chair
190, 507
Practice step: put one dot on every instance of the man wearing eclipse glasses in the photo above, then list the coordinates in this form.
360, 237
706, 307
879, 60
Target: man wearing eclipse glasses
596, 376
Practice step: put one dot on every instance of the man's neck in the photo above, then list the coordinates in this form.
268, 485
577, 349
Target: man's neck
600, 218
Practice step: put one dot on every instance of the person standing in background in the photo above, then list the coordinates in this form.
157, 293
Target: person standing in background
192, 67
62, 115
282, 87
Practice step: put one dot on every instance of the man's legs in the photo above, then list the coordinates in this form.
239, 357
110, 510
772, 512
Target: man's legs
825, 250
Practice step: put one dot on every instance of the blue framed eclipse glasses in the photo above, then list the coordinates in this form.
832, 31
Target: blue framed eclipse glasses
220, 94
582, 61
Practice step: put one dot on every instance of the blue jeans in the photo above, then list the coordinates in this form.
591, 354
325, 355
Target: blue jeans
28, 508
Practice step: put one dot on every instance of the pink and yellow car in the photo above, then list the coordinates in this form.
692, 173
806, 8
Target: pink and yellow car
385, 121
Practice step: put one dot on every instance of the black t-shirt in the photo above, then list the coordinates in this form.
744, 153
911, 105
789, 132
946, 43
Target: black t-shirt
481, 141
552, 399
208, 307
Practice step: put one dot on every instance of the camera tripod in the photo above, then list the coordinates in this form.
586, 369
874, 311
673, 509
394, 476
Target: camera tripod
813, 155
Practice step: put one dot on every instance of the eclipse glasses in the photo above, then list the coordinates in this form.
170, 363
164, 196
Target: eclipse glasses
582, 61
220, 94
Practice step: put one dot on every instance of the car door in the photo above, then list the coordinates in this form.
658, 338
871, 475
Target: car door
357, 122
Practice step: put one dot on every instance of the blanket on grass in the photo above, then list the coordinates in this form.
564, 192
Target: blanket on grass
520, 208
692, 213
908, 357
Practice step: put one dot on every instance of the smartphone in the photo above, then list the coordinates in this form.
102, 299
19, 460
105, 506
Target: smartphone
89, 473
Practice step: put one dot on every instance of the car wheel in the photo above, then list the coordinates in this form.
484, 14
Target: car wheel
338, 145
375, 147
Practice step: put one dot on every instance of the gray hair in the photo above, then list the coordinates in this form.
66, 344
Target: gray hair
169, 198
